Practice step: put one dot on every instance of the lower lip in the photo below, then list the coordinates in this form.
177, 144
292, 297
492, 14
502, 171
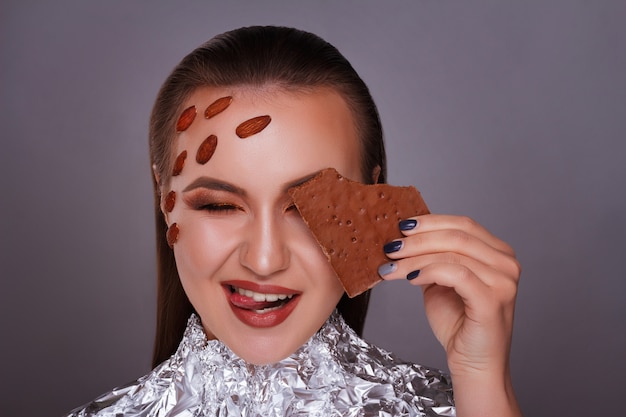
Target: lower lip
263, 320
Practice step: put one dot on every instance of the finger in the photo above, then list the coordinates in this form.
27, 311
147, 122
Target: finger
401, 268
432, 222
480, 300
463, 309
452, 241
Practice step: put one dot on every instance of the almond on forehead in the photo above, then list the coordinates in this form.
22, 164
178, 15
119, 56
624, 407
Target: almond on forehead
206, 149
252, 126
186, 119
352, 221
217, 107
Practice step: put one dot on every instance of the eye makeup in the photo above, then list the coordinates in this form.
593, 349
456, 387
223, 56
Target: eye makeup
223, 202
219, 207
211, 201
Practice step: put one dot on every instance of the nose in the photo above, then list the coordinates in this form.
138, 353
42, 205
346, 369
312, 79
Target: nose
265, 249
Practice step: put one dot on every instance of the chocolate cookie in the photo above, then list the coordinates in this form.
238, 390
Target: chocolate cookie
352, 221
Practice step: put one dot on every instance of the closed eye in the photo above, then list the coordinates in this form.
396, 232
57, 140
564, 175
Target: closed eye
219, 207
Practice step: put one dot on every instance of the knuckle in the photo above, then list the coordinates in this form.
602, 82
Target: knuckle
506, 249
509, 249
513, 267
468, 223
463, 273
460, 236
416, 240
508, 290
451, 258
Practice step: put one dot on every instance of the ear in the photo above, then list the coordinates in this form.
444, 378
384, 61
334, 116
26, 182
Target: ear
376, 174
157, 177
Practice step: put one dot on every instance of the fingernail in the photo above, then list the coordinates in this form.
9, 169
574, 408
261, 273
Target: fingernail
394, 246
386, 269
412, 275
408, 224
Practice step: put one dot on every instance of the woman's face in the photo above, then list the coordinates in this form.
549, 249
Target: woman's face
248, 263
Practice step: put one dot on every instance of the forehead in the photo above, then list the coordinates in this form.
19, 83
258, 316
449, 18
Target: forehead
295, 133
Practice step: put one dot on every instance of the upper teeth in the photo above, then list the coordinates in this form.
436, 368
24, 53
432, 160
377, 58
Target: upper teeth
257, 296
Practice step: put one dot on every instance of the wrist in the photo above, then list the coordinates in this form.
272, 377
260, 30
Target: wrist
485, 394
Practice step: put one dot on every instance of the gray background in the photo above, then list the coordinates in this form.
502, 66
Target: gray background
512, 113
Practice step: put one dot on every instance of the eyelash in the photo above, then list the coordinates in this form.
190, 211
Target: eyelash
218, 207
196, 203
225, 207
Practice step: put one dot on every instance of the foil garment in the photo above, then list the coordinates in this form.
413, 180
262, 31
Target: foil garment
336, 373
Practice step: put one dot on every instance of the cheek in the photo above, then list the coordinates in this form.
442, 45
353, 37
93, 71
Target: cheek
203, 246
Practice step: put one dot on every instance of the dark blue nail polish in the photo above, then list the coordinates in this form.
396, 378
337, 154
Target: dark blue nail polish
394, 246
408, 224
413, 275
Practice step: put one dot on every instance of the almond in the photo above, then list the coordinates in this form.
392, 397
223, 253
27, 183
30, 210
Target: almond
170, 201
206, 149
179, 163
185, 119
252, 126
217, 106
172, 234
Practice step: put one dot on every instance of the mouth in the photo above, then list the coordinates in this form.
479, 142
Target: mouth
260, 305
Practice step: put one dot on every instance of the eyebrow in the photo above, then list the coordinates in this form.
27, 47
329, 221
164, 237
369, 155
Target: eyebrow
214, 184
299, 181
218, 185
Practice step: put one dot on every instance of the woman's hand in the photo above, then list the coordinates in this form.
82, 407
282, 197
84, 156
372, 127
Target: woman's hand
469, 281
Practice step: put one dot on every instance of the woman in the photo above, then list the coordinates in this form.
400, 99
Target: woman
242, 119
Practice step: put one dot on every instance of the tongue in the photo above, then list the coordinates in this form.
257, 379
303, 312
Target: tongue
248, 303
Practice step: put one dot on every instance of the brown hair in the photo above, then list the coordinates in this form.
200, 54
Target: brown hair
257, 56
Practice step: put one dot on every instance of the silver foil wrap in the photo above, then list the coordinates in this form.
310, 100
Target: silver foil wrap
336, 373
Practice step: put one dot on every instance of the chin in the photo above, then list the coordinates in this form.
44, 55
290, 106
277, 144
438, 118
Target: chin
265, 352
